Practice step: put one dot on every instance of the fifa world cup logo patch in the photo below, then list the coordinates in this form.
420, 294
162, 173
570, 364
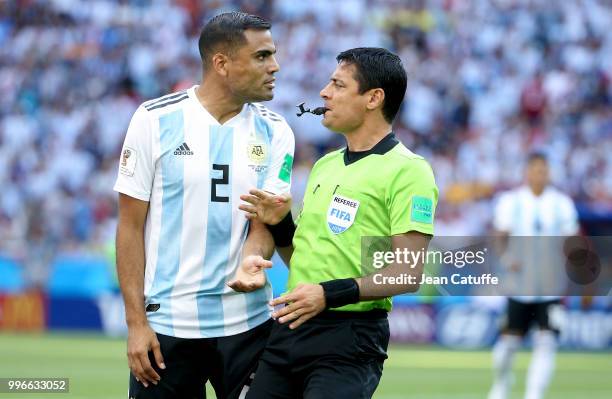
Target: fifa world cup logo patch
128, 162
125, 156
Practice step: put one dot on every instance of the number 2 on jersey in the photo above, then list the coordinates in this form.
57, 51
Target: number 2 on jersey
223, 180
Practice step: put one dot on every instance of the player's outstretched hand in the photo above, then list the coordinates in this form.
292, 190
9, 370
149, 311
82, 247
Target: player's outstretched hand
266, 207
303, 303
250, 276
141, 340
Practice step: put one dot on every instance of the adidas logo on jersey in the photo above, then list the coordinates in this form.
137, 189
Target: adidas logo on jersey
183, 150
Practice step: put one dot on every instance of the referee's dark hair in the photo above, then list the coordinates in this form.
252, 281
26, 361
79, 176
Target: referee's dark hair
378, 68
225, 32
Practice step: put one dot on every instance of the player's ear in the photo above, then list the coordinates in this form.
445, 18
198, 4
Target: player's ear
376, 98
219, 63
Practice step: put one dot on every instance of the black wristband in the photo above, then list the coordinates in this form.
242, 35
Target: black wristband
283, 231
340, 292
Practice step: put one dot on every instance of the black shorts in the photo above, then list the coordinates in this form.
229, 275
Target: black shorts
334, 355
522, 315
228, 362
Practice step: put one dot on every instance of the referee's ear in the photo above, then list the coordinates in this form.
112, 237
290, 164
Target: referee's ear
376, 99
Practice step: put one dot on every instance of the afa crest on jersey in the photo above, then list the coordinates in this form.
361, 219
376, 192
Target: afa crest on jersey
257, 152
341, 213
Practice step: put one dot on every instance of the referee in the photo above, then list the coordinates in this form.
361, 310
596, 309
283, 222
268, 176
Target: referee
373, 187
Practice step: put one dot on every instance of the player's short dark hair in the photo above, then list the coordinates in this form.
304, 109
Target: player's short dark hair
225, 32
378, 68
536, 156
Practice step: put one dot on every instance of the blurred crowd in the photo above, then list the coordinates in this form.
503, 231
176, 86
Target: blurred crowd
489, 81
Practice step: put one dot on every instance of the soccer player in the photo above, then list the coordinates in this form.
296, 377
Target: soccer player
330, 339
536, 209
180, 238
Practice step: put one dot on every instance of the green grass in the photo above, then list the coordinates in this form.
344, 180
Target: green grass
97, 369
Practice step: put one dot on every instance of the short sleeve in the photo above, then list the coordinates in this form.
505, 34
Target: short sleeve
278, 178
136, 167
569, 217
502, 214
412, 199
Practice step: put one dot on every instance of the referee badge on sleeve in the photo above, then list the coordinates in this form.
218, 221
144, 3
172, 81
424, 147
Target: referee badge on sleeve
341, 213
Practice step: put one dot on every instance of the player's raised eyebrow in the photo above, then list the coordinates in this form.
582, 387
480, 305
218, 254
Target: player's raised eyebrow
336, 80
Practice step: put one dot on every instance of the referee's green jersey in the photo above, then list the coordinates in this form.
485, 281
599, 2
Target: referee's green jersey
385, 191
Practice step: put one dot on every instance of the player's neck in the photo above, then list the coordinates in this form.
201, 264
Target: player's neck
537, 190
366, 136
217, 102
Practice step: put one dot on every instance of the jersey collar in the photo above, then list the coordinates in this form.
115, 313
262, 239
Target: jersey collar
382, 147
230, 122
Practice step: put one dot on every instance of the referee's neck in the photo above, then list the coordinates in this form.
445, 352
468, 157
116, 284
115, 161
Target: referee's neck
364, 138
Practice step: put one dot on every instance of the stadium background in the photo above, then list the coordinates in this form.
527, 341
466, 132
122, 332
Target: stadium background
489, 81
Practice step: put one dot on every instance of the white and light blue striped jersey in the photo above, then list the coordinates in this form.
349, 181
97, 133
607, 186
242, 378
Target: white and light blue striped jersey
192, 170
550, 216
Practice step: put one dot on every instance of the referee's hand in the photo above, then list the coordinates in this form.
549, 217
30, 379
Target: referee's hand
303, 303
266, 207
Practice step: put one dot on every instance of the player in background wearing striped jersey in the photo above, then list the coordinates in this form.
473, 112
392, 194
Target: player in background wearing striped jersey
535, 209
186, 159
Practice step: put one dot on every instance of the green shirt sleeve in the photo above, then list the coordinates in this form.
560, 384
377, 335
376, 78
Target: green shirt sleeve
412, 198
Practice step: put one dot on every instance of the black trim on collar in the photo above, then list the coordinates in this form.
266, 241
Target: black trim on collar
382, 147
